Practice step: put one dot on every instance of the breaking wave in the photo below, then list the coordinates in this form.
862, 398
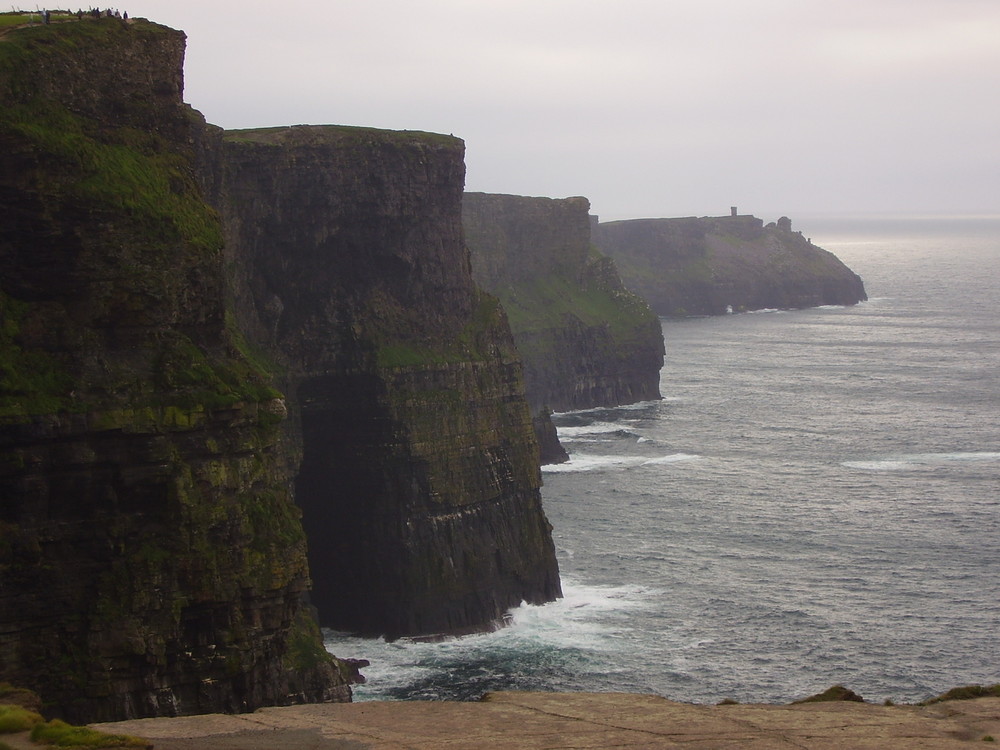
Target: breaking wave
921, 461
565, 643
582, 462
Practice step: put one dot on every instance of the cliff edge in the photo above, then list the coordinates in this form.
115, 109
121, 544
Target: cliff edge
548, 720
152, 560
586, 340
215, 347
714, 265
420, 476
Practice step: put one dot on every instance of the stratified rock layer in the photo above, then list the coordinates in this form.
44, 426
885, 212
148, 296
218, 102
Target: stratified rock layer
586, 340
152, 561
710, 266
152, 555
420, 480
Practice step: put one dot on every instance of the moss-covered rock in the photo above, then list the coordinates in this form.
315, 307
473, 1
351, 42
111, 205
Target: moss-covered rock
152, 559
585, 339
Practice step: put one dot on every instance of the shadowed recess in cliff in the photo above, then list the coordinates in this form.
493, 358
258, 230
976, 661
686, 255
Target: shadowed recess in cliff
419, 482
715, 265
585, 339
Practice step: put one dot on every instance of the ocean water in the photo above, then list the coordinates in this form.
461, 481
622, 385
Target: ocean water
816, 500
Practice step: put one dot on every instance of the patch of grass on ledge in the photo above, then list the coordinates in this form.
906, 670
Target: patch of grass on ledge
60, 734
124, 171
17, 719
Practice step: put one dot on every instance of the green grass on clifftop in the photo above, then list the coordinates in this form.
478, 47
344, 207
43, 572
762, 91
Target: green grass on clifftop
60, 734
545, 303
346, 134
122, 171
21, 18
131, 201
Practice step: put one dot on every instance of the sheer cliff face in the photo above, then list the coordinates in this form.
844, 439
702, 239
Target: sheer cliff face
152, 561
708, 266
585, 339
419, 483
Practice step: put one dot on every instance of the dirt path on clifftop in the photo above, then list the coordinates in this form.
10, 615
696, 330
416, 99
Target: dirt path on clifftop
579, 720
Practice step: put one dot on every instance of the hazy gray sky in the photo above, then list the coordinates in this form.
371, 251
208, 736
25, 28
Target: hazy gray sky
647, 107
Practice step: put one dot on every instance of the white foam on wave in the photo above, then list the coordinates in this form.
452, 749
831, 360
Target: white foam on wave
575, 620
583, 624
580, 462
637, 406
595, 428
917, 461
672, 459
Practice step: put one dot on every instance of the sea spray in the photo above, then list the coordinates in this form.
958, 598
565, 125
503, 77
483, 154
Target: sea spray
576, 643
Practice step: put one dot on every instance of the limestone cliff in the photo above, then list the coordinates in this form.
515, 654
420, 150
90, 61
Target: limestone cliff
420, 481
586, 340
152, 561
708, 266
153, 474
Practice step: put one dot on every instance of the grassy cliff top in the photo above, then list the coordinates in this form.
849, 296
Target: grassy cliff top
314, 135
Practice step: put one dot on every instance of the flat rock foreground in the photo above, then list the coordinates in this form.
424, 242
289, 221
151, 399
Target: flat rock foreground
578, 720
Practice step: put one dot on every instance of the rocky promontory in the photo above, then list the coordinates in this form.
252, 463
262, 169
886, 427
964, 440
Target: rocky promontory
715, 265
586, 340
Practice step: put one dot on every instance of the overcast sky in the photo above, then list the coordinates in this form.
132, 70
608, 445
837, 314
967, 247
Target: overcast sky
649, 108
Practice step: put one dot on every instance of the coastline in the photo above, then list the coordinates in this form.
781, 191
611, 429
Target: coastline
559, 720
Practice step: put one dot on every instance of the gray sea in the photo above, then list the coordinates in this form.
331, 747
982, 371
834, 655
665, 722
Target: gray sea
816, 500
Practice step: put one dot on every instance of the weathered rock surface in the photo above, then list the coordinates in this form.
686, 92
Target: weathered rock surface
710, 266
596, 720
152, 561
153, 473
420, 480
586, 340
